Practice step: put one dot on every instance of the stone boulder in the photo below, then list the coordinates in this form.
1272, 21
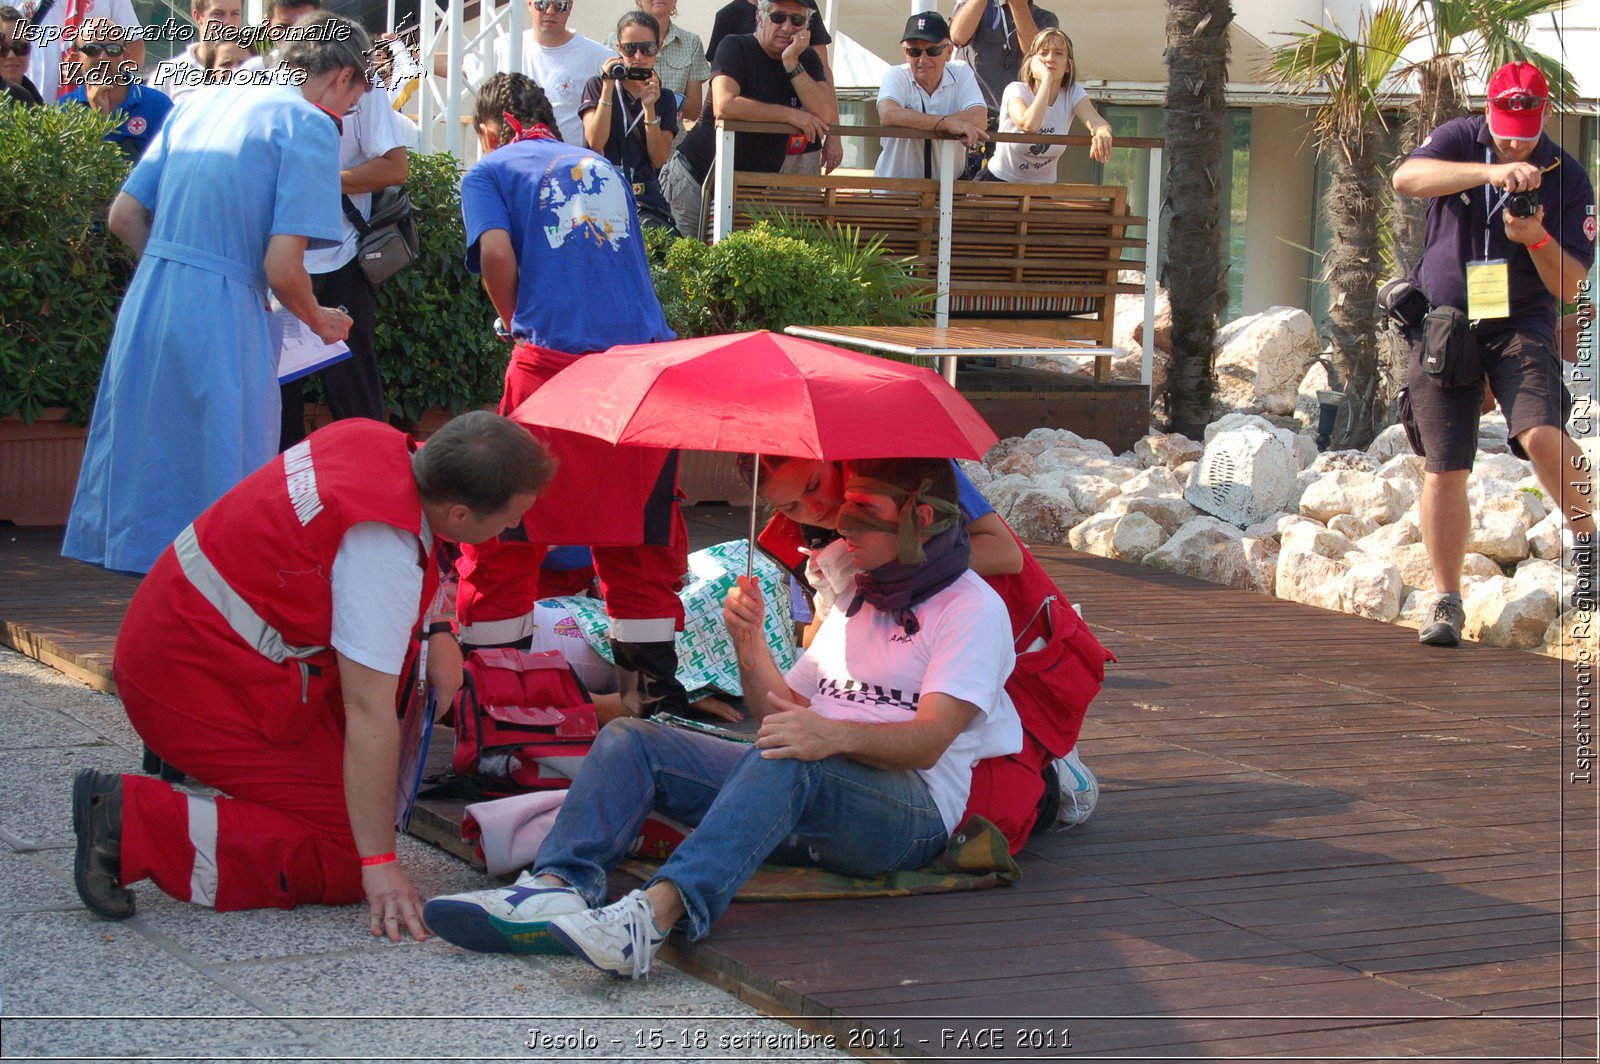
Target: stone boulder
1507, 467
1571, 636
1417, 610
1500, 534
1091, 493
1268, 351
1171, 513
1492, 433
1390, 443
1346, 461
1389, 538
1311, 538
1245, 474
1545, 540
1352, 526
1044, 514
1411, 561
1125, 537
1169, 449
1248, 563
1510, 614
1163, 321
1372, 589
1273, 527
1157, 482
1019, 462
1183, 552
1527, 508
976, 472
1002, 492
1311, 579
1346, 492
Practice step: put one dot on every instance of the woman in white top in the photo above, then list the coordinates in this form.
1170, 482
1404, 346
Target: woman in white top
1024, 108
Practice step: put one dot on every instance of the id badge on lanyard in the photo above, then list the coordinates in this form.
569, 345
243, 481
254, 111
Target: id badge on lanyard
1489, 280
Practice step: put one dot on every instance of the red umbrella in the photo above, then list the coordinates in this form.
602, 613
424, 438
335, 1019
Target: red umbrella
760, 392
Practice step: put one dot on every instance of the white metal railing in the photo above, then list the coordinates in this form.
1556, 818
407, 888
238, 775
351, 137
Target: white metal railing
950, 156
442, 103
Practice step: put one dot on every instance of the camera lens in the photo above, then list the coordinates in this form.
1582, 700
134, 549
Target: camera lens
1522, 204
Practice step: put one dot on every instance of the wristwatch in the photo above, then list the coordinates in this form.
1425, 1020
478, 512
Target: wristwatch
796, 72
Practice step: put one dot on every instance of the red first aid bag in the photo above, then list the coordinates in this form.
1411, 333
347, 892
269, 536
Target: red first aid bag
524, 721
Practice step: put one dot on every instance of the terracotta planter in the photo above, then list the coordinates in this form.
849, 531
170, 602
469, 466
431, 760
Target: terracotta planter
39, 468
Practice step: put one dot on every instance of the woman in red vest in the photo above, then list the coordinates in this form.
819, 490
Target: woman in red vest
1060, 664
262, 656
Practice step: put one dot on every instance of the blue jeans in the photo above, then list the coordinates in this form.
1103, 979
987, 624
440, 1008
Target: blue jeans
852, 819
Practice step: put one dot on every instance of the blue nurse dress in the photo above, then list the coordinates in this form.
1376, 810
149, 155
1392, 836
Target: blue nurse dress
188, 402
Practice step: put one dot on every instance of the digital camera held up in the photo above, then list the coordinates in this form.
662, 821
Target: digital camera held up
626, 73
1522, 204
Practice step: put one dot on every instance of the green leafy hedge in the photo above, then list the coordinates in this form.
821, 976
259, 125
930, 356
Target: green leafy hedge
61, 275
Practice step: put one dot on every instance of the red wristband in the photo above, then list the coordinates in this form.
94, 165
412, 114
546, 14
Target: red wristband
377, 859
1540, 244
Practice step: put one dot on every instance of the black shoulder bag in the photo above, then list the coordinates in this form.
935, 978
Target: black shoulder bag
388, 239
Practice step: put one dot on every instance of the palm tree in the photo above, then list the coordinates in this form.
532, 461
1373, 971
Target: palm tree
1353, 74
1194, 270
1464, 36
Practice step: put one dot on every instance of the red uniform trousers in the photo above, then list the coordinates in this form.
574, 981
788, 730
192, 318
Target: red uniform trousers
281, 835
599, 498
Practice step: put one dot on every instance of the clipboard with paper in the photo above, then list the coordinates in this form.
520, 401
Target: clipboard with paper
300, 351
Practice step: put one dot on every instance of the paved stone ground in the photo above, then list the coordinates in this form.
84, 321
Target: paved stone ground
178, 980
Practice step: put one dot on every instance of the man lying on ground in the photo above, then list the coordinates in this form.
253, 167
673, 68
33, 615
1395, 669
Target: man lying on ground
862, 764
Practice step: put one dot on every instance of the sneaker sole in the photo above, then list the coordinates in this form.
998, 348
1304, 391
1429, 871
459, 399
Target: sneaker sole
574, 947
1442, 638
465, 925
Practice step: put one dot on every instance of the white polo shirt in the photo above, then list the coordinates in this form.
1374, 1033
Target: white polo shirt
372, 130
958, 90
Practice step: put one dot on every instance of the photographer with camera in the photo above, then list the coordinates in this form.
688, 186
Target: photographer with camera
629, 120
1510, 230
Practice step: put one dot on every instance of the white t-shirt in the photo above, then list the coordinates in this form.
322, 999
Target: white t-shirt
865, 668
377, 584
561, 72
181, 75
958, 90
1033, 162
373, 129
44, 67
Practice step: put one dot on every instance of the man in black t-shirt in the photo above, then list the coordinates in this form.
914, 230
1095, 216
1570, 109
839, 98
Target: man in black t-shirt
772, 75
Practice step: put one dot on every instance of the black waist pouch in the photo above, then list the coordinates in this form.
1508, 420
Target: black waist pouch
1449, 350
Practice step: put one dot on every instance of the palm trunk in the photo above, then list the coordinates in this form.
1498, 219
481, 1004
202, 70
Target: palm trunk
1352, 268
1194, 270
1438, 100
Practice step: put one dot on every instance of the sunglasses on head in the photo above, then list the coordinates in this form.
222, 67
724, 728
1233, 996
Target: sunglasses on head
95, 51
933, 51
639, 48
560, 7
1520, 101
796, 19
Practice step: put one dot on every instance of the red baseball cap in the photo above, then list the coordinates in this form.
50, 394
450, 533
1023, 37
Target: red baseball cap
1518, 96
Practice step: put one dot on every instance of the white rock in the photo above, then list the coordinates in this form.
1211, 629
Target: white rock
1116, 470
1573, 636
1352, 526
1406, 467
1480, 565
1248, 563
1184, 471
1418, 609
1155, 482
1499, 534
1525, 506
1509, 614
1411, 561
1492, 434
1091, 493
1305, 404
1274, 526
1071, 440
1389, 537
1372, 589
1507, 467
1305, 450
1544, 538
1245, 475
1163, 321
1168, 449
1020, 463
1183, 552
1125, 537
1044, 514
1002, 492
1270, 350
1345, 492
1171, 513
1314, 539
976, 472
1350, 461
1390, 443
1311, 579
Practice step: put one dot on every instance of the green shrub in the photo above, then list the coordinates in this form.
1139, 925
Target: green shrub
61, 274
436, 341
766, 278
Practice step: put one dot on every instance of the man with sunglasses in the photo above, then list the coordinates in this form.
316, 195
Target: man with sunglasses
54, 25
1504, 261
559, 60
110, 86
14, 51
929, 92
772, 75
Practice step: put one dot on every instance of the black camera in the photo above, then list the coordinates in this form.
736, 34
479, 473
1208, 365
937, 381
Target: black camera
1522, 204
626, 73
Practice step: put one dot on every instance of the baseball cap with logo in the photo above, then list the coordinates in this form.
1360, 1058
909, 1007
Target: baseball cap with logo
926, 26
1518, 96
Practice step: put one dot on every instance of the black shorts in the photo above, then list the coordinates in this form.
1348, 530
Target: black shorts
1525, 375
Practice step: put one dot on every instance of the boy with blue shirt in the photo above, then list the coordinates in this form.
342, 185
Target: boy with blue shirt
553, 230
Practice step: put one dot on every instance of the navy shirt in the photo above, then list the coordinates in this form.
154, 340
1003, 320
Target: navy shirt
143, 113
1458, 225
626, 148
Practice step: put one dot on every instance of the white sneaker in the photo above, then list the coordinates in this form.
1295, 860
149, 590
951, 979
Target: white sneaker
512, 919
621, 938
1080, 791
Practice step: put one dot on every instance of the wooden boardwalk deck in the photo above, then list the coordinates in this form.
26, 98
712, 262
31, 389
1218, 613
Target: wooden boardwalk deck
1316, 840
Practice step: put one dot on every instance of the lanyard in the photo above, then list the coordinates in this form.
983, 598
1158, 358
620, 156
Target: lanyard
1488, 209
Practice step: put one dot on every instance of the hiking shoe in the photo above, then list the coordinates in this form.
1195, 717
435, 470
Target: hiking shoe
512, 919
1444, 628
621, 938
1080, 791
1583, 570
97, 865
